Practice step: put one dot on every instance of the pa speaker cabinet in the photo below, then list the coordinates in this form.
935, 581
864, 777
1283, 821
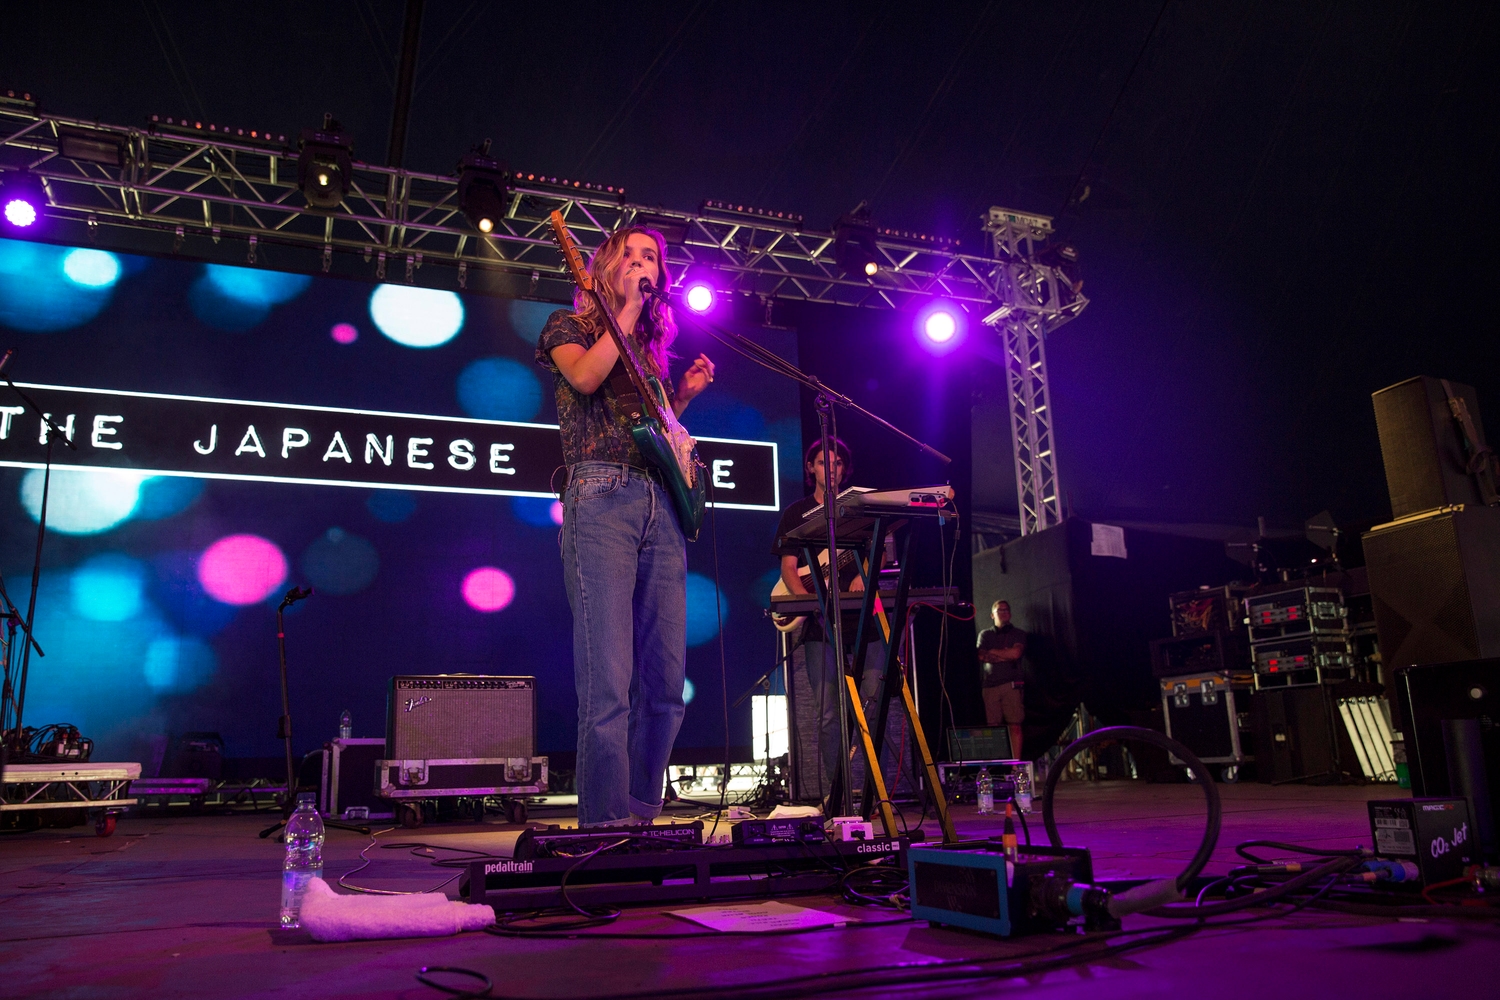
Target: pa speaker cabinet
1294, 735
448, 716
1425, 464
1435, 585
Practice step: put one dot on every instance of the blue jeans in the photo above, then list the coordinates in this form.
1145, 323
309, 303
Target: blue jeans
625, 566
819, 679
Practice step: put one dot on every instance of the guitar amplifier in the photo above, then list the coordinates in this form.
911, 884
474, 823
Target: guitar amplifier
450, 716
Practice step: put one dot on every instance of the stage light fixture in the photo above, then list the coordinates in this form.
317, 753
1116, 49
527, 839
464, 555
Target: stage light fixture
672, 229
854, 249
699, 296
482, 188
22, 199
325, 165
1064, 257
940, 326
92, 146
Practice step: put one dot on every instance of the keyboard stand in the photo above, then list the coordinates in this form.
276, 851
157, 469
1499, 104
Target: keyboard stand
866, 527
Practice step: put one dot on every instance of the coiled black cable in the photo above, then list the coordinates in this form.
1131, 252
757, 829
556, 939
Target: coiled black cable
1200, 774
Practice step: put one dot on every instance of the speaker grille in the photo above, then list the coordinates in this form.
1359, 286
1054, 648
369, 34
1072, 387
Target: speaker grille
447, 717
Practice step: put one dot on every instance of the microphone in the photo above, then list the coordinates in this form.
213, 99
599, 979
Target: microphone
648, 289
295, 594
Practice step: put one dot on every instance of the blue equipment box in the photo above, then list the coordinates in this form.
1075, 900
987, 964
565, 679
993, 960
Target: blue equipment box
970, 885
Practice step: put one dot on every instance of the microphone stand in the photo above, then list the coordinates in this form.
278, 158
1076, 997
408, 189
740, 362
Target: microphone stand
284, 727
16, 695
826, 399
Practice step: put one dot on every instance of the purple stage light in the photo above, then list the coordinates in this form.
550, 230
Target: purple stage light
344, 333
699, 296
940, 326
19, 212
21, 201
556, 512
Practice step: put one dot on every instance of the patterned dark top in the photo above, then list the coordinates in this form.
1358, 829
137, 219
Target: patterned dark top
590, 430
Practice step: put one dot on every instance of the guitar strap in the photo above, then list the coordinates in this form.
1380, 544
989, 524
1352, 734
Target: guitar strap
627, 402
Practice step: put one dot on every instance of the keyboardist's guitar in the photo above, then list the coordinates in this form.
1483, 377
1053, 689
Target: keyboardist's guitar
662, 440
785, 623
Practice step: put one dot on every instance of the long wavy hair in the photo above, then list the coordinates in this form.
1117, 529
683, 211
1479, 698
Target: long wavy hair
656, 329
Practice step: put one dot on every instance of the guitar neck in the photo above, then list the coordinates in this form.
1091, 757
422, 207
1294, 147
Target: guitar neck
632, 364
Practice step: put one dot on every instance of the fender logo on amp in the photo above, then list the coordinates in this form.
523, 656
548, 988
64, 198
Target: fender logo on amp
412, 703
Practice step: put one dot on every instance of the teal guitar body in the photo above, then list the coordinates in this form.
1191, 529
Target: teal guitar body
669, 450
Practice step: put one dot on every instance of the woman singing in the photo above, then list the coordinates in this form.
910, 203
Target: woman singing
624, 555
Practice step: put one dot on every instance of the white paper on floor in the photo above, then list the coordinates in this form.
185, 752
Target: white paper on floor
762, 917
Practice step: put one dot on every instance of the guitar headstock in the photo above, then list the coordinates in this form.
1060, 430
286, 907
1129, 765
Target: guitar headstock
571, 253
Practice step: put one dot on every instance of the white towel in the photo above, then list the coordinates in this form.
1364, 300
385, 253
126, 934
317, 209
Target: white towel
332, 917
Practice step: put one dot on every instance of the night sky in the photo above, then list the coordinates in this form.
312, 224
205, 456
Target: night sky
1287, 204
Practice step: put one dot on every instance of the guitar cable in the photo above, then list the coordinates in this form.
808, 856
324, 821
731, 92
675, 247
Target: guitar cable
713, 534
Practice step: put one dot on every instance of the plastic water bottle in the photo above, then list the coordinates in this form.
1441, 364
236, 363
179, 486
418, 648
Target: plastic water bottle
1023, 790
304, 858
985, 786
346, 725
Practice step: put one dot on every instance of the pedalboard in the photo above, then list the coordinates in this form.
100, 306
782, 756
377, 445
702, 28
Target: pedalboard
669, 872
571, 842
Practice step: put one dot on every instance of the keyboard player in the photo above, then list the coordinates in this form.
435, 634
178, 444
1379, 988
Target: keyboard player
813, 671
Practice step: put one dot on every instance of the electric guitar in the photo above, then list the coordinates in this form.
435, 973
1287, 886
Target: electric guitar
785, 623
661, 438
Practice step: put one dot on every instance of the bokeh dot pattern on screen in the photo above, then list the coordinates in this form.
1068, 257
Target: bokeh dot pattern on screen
488, 589
82, 501
241, 569
340, 563
391, 506
499, 389
91, 268
108, 588
416, 317
702, 624
167, 496
543, 512
38, 295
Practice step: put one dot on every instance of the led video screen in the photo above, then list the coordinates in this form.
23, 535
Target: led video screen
241, 430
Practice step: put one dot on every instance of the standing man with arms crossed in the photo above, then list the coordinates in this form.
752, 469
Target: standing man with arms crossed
624, 553
1000, 652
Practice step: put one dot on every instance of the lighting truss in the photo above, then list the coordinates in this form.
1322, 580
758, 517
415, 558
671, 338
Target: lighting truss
223, 184
1036, 300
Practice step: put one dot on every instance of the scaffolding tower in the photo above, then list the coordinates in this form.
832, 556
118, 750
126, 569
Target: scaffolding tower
1038, 295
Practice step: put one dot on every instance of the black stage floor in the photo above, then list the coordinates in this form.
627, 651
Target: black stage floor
185, 907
